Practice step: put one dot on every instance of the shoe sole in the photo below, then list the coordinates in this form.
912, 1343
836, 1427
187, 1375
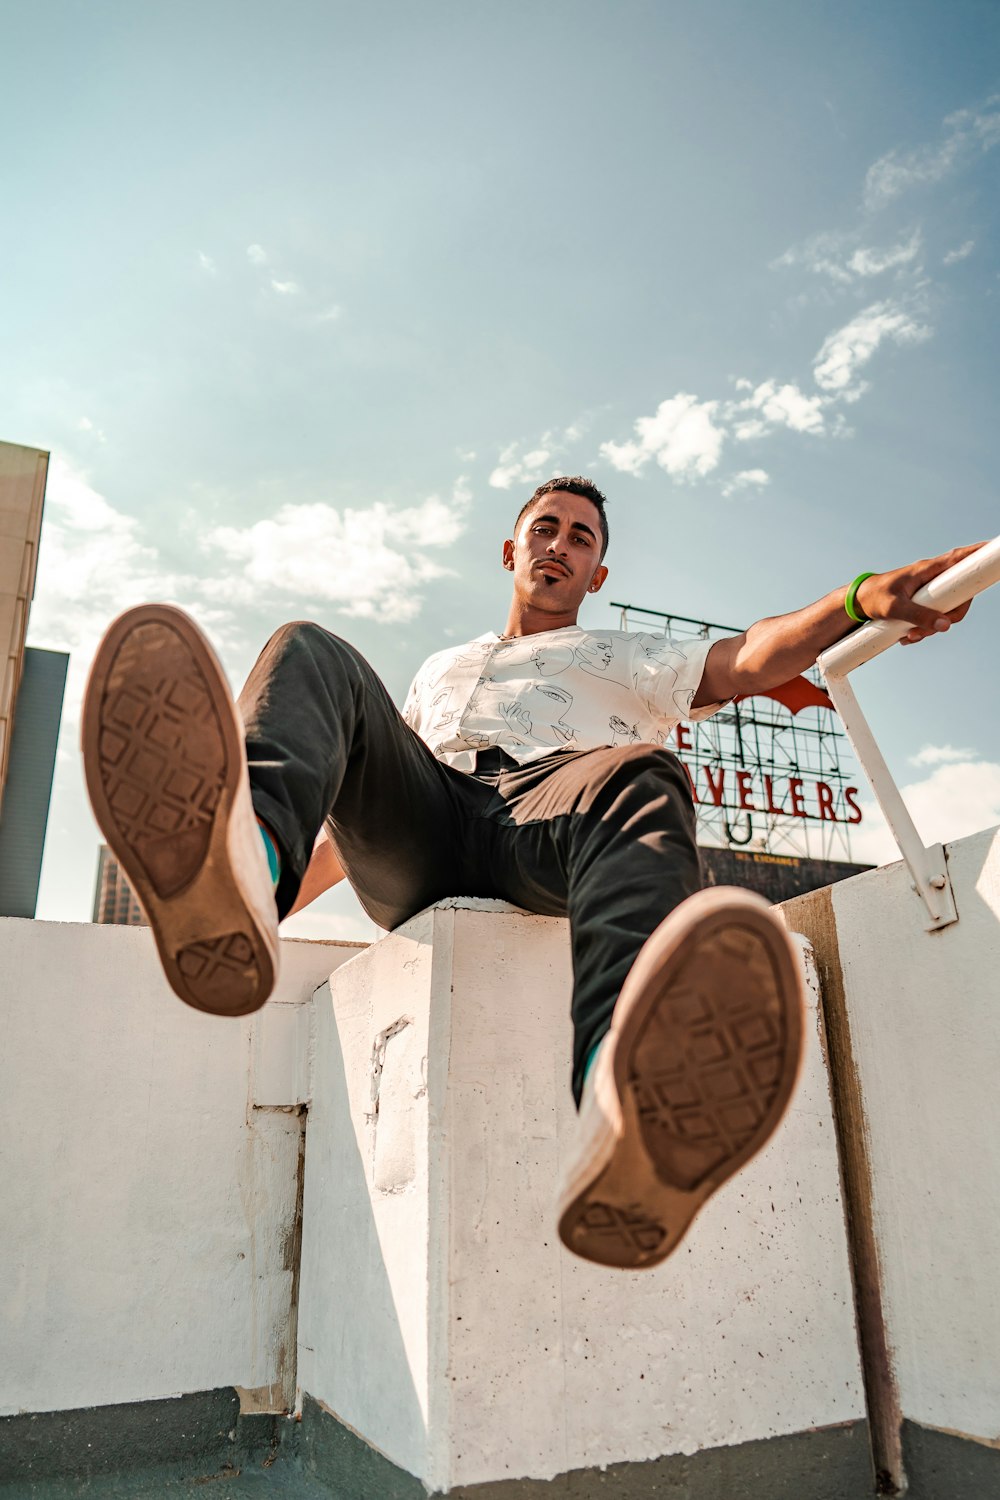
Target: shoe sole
705, 1060
164, 760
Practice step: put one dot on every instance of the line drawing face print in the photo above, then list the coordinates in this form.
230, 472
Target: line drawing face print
440, 712
536, 716
622, 733
597, 656
548, 702
547, 660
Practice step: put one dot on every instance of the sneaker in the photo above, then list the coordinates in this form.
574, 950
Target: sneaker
166, 770
690, 1082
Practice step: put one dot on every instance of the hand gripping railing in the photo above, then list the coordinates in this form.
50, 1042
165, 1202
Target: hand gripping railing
945, 592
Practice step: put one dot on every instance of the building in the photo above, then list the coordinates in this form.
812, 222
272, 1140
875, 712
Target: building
114, 900
776, 877
23, 473
30, 768
31, 688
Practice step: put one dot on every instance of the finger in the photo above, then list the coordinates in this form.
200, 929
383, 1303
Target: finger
927, 621
927, 617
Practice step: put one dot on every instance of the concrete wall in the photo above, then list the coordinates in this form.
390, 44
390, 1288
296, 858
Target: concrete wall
150, 1157
153, 1157
440, 1316
921, 1064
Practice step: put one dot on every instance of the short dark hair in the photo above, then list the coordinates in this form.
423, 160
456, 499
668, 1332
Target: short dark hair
576, 485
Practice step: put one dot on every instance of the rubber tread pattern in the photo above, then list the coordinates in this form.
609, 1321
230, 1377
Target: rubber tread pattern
162, 757
620, 1235
708, 1063
224, 968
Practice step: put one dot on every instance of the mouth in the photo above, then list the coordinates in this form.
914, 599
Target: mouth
549, 569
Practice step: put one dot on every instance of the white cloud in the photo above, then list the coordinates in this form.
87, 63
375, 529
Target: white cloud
848, 349
544, 461
956, 799
936, 755
952, 256
372, 563
686, 435
746, 479
965, 132
840, 257
92, 564
872, 262
285, 286
331, 314
777, 406
682, 437
517, 468
207, 263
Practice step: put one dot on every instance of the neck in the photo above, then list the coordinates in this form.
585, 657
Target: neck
525, 619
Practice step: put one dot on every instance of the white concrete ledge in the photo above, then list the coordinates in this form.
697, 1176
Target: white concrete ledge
440, 1316
150, 1157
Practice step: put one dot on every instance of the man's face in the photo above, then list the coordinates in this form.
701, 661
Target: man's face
556, 555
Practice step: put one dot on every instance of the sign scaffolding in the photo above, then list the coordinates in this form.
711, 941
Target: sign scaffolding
772, 773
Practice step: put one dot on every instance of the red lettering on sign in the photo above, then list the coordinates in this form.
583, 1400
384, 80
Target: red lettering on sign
716, 788
687, 773
825, 795
745, 783
795, 789
683, 737
850, 798
769, 794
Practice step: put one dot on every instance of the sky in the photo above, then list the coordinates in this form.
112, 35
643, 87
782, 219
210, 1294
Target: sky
305, 300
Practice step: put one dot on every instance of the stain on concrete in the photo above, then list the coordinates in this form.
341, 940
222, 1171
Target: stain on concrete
813, 916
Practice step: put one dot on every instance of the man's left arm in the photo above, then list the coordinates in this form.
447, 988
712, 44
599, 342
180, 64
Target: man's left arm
775, 650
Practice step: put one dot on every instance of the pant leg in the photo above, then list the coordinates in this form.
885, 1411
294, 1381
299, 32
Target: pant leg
326, 743
608, 837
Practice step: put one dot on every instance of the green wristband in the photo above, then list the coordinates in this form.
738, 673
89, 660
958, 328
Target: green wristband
850, 603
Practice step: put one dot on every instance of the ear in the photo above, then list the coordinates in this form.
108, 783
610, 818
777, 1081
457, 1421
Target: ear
508, 555
598, 579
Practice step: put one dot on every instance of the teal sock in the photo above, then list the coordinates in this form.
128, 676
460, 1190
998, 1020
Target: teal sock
591, 1057
273, 857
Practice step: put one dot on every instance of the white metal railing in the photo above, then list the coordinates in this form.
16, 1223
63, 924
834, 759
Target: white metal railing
947, 591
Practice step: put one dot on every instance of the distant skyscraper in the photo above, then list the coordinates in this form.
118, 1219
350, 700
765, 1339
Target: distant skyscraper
114, 899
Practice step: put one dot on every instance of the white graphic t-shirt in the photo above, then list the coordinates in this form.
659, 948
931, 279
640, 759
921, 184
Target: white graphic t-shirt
568, 689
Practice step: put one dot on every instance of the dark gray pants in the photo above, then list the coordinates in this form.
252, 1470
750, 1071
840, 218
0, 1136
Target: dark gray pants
605, 837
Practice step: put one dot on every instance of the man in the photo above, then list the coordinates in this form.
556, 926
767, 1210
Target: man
528, 765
